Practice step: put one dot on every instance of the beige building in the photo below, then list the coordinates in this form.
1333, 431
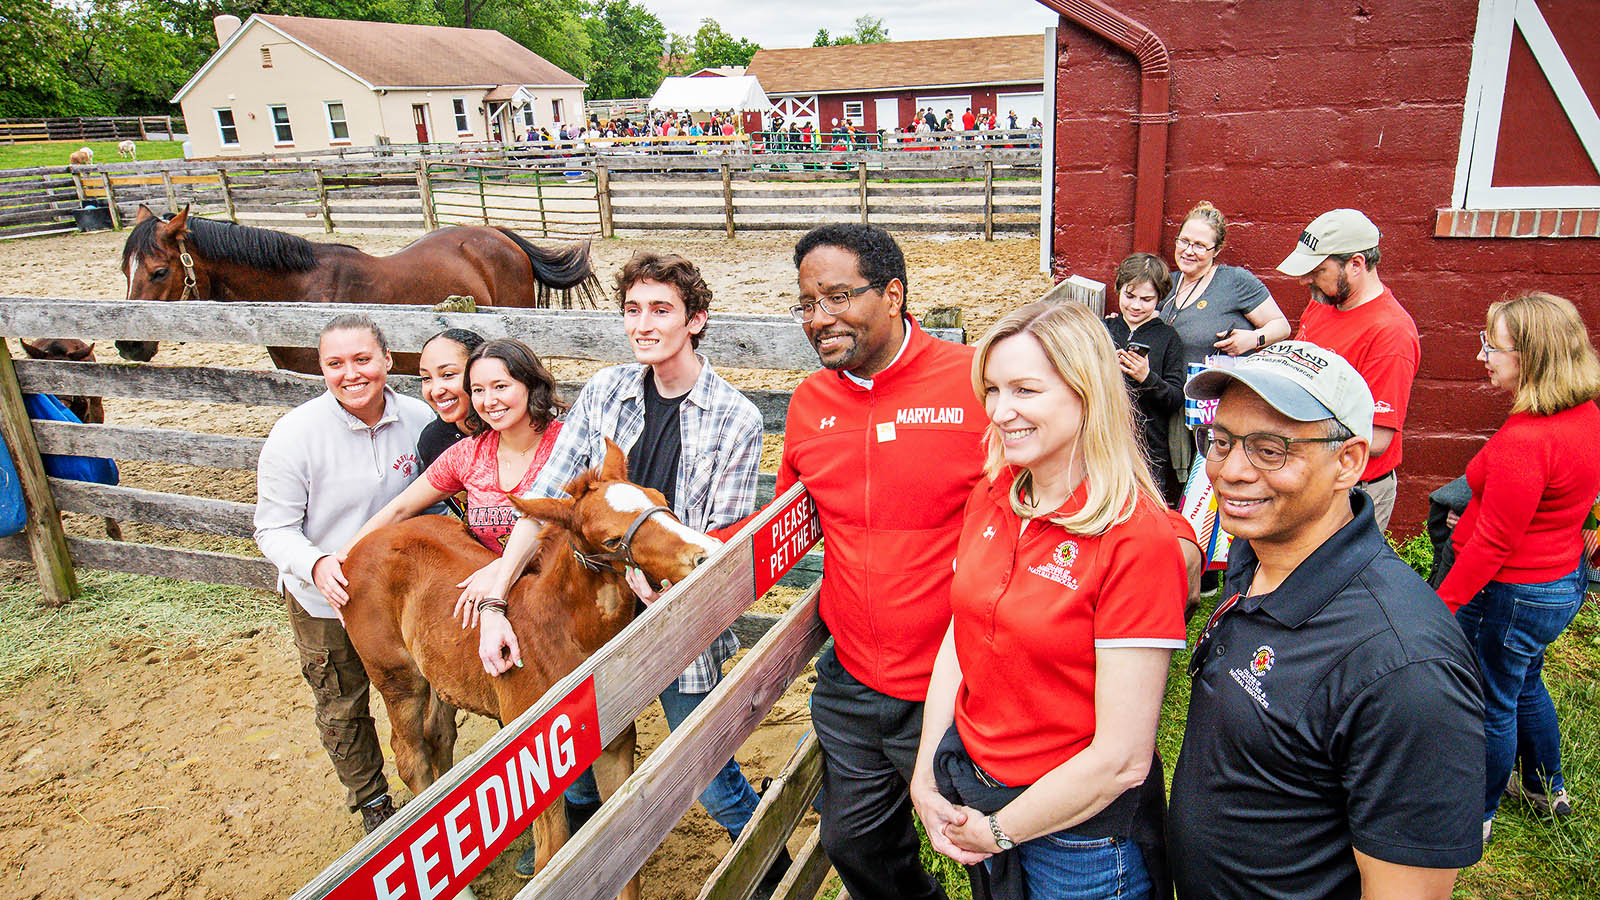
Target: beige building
286, 83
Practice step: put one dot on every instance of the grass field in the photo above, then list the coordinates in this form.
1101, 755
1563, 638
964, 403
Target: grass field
55, 153
1532, 857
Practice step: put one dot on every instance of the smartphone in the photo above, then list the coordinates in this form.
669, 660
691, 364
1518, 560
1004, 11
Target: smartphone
1141, 349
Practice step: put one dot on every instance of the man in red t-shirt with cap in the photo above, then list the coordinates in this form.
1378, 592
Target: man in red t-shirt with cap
1356, 316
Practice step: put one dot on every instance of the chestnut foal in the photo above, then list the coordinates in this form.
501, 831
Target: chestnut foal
402, 583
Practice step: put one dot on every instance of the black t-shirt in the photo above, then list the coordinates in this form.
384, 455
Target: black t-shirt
653, 458
1341, 710
437, 437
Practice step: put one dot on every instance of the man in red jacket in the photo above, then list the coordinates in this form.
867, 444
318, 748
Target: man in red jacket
886, 438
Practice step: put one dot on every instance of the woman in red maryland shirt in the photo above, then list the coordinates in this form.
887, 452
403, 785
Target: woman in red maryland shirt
514, 407
1517, 581
1040, 723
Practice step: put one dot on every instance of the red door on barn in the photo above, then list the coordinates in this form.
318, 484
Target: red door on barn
419, 118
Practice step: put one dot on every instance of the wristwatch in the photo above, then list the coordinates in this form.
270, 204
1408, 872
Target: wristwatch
1000, 838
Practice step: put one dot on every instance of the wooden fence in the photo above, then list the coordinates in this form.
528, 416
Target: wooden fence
625, 676
85, 128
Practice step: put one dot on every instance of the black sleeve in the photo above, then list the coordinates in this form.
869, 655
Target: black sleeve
436, 437
1410, 750
1165, 381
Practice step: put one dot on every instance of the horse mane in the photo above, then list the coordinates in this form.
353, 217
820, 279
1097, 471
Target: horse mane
567, 267
258, 248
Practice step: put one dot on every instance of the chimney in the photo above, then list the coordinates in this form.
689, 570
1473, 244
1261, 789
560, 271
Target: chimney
225, 26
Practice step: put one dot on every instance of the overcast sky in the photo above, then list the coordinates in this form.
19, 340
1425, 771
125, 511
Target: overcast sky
771, 23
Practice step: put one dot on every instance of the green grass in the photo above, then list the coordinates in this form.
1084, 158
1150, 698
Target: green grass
55, 153
117, 611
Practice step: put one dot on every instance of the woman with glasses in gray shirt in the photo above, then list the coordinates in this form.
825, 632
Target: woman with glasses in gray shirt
1217, 309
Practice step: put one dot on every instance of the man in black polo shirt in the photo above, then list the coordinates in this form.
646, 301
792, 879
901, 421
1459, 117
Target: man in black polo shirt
1334, 741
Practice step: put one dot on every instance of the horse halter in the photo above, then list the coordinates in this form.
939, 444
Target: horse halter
187, 261
622, 553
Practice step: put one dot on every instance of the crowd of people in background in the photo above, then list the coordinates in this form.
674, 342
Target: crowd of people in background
1006, 589
723, 123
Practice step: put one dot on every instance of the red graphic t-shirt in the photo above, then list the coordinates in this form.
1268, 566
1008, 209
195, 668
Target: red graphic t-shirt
473, 465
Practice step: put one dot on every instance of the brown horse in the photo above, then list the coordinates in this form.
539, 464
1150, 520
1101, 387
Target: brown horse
402, 582
239, 262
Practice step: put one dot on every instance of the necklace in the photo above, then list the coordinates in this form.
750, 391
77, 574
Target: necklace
1196, 288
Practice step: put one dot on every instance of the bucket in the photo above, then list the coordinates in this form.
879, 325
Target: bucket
92, 218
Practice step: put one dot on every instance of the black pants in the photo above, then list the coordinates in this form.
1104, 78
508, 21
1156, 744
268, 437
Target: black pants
869, 746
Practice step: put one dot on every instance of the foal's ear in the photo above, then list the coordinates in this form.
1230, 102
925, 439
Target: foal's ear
615, 468
557, 510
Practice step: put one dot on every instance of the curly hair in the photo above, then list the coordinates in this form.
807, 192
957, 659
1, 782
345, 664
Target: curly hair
674, 271
544, 405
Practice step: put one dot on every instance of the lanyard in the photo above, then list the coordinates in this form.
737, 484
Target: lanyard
1203, 646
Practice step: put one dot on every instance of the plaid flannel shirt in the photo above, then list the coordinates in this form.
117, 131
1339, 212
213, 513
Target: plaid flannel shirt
721, 435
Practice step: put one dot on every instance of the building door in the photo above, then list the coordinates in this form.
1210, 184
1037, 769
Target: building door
419, 118
1028, 105
955, 103
887, 113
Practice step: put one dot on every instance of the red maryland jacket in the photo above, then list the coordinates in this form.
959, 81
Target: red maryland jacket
890, 468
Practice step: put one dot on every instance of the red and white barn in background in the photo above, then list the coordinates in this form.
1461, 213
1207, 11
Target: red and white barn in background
1465, 128
881, 86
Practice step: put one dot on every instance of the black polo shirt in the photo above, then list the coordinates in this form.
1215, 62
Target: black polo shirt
1342, 709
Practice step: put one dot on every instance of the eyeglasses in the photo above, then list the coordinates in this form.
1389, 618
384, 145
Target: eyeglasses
1488, 348
833, 304
1266, 451
1186, 244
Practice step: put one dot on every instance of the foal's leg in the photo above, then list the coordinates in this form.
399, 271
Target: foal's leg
549, 834
439, 735
614, 766
406, 698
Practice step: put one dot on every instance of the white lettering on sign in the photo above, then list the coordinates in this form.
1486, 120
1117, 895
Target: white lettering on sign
423, 864
455, 835
786, 537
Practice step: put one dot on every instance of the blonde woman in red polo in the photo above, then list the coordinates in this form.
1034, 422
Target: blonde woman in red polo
1038, 743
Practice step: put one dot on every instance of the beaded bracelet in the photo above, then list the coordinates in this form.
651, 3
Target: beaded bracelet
494, 603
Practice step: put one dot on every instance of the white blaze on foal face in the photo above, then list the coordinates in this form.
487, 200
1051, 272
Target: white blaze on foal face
627, 498
133, 266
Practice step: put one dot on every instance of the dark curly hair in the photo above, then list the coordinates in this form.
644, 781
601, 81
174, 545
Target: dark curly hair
524, 366
877, 254
674, 271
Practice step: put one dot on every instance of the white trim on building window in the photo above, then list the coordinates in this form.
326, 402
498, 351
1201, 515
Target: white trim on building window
1486, 91
225, 128
282, 131
338, 121
855, 112
459, 106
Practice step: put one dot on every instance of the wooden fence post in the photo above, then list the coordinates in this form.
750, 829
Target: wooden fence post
988, 199
322, 202
602, 190
77, 185
727, 197
483, 205
425, 194
227, 195
111, 203
538, 193
46, 542
172, 198
861, 170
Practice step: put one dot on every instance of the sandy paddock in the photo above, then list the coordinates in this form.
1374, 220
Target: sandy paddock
198, 773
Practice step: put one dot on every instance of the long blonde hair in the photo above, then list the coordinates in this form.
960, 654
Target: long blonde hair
1080, 351
1558, 365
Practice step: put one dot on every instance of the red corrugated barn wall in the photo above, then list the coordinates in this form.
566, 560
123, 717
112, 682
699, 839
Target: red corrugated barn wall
1282, 111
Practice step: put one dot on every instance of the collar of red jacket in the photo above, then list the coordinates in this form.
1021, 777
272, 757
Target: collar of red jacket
917, 342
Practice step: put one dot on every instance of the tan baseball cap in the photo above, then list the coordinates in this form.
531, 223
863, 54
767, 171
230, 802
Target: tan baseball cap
1338, 231
1303, 381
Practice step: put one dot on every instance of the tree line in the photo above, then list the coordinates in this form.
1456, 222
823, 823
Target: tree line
128, 57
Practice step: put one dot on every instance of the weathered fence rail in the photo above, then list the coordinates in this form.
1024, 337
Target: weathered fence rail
85, 128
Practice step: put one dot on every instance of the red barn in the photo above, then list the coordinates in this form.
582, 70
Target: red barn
881, 86
1466, 130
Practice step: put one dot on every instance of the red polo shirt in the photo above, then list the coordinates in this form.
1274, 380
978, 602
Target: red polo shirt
890, 468
1032, 606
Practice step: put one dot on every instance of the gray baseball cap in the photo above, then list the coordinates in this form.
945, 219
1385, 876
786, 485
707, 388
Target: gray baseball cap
1335, 232
1303, 381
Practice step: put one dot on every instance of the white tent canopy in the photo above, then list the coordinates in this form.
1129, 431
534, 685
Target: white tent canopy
708, 94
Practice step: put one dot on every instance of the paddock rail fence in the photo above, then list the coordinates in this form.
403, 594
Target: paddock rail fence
86, 128
608, 692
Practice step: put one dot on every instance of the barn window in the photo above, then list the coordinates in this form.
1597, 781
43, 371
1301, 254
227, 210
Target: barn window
266, 57
227, 131
281, 132
462, 126
338, 125
1529, 158
854, 113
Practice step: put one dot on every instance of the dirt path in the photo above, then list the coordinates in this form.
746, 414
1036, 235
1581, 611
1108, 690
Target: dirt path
197, 773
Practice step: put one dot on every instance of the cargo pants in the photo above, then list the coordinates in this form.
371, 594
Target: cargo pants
339, 688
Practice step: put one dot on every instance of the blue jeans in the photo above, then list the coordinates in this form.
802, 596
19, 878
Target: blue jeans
729, 798
1062, 867
1509, 626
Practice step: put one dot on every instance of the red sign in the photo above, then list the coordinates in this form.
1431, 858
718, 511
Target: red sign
785, 538
455, 839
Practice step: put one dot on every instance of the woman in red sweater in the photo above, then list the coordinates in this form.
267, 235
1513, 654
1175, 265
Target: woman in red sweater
1517, 581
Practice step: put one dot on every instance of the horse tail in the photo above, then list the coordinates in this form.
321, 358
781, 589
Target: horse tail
565, 268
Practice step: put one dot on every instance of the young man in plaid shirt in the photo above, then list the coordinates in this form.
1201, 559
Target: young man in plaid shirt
688, 434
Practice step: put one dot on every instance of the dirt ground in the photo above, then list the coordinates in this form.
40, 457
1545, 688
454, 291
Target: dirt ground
197, 773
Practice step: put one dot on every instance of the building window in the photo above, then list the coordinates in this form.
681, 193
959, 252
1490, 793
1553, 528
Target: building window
527, 116
338, 126
462, 127
226, 129
555, 110
281, 132
853, 113
266, 57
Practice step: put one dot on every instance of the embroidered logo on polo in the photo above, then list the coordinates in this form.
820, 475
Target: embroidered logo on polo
1058, 569
1261, 663
1249, 678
